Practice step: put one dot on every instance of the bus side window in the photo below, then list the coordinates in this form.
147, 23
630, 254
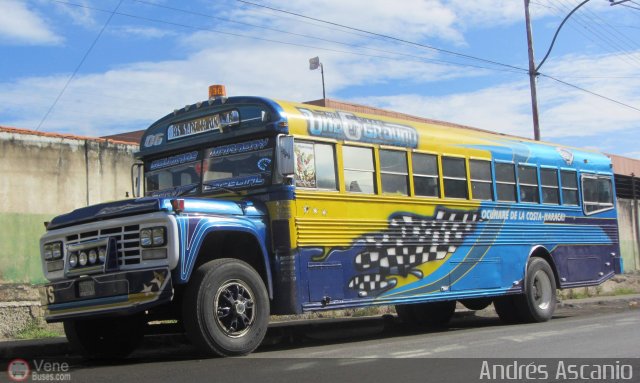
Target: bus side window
359, 173
597, 194
315, 165
549, 180
394, 172
506, 182
481, 186
425, 175
528, 179
454, 177
568, 179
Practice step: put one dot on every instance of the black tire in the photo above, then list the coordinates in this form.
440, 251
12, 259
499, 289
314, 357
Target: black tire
507, 309
431, 314
406, 315
476, 304
539, 300
105, 338
226, 308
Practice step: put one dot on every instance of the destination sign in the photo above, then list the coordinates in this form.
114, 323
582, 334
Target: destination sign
214, 122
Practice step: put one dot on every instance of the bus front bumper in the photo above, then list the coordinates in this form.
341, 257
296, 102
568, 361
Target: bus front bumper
120, 293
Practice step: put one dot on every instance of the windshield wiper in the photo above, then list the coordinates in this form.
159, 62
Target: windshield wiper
187, 190
223, 189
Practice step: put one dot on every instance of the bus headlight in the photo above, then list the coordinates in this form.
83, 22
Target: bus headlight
52, 251
153, 236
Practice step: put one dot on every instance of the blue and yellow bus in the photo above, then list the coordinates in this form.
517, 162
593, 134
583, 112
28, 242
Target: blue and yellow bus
249, 207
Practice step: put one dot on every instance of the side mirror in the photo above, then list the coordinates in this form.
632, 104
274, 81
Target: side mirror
137, 170
284, 150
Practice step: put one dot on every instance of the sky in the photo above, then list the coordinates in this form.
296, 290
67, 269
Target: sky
101, 67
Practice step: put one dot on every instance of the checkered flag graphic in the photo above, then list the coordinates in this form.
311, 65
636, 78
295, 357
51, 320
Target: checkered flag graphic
409, 241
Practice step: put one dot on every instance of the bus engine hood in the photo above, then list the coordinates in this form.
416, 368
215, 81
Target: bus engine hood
130, 207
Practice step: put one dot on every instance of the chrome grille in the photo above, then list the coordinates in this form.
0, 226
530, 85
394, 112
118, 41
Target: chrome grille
127, 238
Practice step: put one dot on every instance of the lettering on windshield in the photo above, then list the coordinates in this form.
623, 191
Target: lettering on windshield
242, 147
174, 160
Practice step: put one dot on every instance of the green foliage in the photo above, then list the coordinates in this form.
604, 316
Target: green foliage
36, 330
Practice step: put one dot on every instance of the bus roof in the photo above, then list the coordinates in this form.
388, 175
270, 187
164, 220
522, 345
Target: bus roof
224, 119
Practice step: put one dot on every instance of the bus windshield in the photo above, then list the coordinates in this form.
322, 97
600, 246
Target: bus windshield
236, 166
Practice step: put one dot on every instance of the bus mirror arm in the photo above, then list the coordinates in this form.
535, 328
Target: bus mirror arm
285, 157
136, 177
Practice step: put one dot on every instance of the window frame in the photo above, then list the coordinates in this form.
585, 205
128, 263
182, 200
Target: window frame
596, 176
577, 188
516, 194
437, 176
537, 186
465, 179
374, 171
489, 181
557, 187
335, 165
406, 175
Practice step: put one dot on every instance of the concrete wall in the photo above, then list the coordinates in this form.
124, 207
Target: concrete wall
627, 223
43, 175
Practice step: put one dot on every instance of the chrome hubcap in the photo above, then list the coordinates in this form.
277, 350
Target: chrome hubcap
234, 308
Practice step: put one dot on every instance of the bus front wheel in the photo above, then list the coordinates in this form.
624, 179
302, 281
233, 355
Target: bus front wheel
226, 308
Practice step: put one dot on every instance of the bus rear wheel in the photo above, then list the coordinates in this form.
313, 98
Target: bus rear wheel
539, 300
538, 303
430, 314
226, 308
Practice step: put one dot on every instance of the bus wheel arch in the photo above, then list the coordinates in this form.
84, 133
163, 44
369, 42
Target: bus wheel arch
540, 251
241, 245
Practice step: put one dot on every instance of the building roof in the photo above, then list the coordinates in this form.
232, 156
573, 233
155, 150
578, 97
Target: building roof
133, 137
29, 132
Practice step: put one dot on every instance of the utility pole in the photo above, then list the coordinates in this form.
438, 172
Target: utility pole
533, 74
533, 70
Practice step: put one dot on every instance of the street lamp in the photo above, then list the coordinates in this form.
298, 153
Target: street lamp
314, 63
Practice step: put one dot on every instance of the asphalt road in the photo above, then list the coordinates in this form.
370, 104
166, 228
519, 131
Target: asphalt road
381, 349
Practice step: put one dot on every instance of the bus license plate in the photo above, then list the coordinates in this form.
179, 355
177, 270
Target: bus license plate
87, 289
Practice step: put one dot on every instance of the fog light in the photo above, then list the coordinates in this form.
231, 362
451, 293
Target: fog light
73, 260
102, 254
82, 258
93, 256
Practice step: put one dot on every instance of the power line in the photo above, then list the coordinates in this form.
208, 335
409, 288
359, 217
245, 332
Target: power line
387, 36
591, 92
415, 58
421, 58
601, 42
84, 57
115, 12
